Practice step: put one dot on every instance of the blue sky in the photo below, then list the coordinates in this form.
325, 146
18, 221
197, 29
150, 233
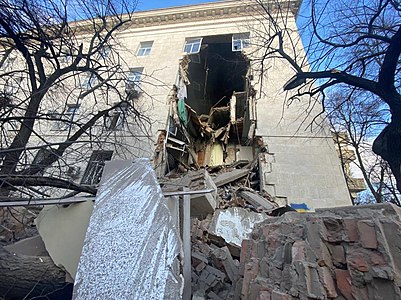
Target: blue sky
153, 4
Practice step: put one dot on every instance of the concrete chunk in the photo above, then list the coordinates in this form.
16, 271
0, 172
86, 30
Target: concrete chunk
256, 200
228, 177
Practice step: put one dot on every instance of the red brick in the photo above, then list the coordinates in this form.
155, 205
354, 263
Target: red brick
328, 282
376, 258
367, 233
356, 259
280, 296
314, 287
250, 273
360, 294
334, 229
246, 254
351, 230
338, 254
266, 231
344, 283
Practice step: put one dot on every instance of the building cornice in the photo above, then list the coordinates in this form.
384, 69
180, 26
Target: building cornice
206, 11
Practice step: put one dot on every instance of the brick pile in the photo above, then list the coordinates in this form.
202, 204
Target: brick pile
342, 253
215, 264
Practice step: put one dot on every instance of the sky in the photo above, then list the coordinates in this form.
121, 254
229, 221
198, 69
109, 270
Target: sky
154, 4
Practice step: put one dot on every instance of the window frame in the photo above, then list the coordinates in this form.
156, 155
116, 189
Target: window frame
132, 83
243, 39
94, 169
89, 81
65, 119
118, 119
144, 50
191, 43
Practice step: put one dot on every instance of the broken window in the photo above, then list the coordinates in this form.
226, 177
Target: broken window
192, 45
89, 81
216, 118
133, 82
94, 169
145, 48
116, 120
240, 41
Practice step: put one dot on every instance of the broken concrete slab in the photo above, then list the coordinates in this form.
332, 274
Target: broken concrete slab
257, 200
63, 231
231, 176
235, 224
201, 204
131, 246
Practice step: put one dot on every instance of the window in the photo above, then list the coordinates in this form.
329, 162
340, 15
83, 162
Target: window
240, 41
133, 81
104, 52
55, 119
89, 81
94, 169
193, 45
116, 120
8, 62
12, 85
145, 48
38, 160
65, 55
64, 121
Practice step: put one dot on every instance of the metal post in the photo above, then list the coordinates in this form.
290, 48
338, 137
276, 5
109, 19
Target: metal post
186, 241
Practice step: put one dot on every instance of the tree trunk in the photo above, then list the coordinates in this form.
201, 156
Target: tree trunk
28, 276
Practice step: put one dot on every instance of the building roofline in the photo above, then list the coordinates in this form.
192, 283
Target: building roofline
214, 10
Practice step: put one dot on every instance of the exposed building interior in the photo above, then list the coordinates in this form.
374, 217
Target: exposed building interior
213, 106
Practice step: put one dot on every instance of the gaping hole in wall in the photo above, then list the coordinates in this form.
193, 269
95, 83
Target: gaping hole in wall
212, 107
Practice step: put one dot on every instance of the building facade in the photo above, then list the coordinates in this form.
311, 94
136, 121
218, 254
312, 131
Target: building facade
195, 73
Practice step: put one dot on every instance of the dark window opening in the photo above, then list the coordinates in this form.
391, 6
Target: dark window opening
94, 170
219, 87
217, 110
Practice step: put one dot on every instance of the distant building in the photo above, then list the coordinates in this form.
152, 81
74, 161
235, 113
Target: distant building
347, 154
194, 71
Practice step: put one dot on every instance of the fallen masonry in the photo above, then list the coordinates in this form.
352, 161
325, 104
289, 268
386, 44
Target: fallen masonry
340, 253
241, 245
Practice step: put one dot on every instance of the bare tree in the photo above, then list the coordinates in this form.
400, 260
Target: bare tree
61, 90
347, 43
355, 119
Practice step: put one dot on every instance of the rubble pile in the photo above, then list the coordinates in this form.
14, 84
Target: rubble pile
340, 253
215, 268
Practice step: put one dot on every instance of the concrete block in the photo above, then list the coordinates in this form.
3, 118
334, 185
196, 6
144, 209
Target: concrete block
235, 224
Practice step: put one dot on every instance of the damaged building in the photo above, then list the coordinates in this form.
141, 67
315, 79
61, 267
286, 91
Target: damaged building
225, 153
223, 111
